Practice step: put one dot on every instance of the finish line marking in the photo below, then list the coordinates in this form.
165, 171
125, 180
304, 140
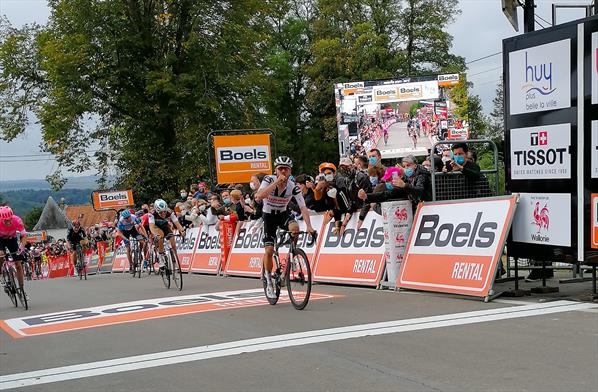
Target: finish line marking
200, 353
128, 312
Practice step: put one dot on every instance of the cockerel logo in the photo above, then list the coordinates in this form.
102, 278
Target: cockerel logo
401, 214
541, 219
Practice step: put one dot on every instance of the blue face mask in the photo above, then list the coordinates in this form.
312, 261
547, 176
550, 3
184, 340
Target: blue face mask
374, 181
388, 186
459, 159
409, 172
226, 201
372, 161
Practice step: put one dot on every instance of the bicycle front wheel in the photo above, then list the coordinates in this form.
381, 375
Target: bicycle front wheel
139, 263
298, 279
11, 285
177, 274
22, 298
165, 272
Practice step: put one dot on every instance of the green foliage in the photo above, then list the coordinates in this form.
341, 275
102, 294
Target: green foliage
22, 201
30, 219
143, 82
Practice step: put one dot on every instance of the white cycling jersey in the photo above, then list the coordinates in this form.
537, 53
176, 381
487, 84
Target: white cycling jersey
277, 201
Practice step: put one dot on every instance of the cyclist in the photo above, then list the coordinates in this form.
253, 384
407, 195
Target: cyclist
36, 255
276, 192
10, 226
76, 236
130, 226
160, 223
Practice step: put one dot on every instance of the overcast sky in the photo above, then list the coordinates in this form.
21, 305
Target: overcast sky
477, 32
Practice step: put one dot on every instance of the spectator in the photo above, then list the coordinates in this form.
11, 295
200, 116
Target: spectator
375, 162
237, 204
225, 195
427, 164
306, 184
183, 194
361, 163
470, 169
200, 191
324, 187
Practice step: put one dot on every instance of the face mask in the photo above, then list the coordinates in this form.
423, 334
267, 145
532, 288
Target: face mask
388, 186
459, 159
183, 195
329, 177
248, 201
409, 172
202, 207
374, 180
331, 192
226, 201
372, 161
252, 186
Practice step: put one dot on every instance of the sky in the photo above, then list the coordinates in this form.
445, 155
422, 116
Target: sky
478, 32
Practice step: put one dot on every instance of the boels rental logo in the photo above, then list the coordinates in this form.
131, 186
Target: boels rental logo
455, 246
109, 200
241, 156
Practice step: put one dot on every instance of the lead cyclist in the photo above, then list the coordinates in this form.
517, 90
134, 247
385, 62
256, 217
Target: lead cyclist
276, 192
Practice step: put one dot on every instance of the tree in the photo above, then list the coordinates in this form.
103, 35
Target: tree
496, 129
32, 217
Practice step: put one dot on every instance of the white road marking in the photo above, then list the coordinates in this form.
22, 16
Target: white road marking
199, 353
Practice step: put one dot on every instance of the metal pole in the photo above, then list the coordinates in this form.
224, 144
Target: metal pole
528, 16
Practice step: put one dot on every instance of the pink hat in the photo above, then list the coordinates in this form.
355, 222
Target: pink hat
389, 172
201, 185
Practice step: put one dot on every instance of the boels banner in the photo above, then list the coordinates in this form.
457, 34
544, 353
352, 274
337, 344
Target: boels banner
356, 257
454, 246
239, 157
120, 262
36, 236
247, 249
112, 200
206, 257
186, 249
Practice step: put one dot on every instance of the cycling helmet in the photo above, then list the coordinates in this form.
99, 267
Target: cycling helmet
5, 213
125, 214
160, 205
283, 161
327, 165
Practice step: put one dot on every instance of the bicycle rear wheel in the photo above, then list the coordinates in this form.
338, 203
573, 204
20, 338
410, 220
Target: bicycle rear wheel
22, 298
298, 279
11, 285
139, 263
177, 274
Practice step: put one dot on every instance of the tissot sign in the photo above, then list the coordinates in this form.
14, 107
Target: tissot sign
541, 152
540, 78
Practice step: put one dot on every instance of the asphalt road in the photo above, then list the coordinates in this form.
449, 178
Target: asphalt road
400, 144
232, 341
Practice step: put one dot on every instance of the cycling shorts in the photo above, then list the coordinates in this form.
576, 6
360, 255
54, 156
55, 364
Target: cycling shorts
273, 221
13, 247
131, 233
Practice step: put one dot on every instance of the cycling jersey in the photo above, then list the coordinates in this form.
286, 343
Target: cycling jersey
157, 220
15, 226
277, 201
127, 224
74, 237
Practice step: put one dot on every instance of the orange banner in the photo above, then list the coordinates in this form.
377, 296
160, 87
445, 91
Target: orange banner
594, 233
239, 157
112, 200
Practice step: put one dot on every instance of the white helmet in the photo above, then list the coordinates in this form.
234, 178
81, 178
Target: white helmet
160, 205
283, 161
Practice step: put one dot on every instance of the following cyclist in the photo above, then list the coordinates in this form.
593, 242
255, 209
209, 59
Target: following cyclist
10, 226
130, 226
276, 192
160, 223
76, 236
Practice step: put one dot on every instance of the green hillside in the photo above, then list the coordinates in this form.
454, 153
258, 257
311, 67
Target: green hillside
22, 201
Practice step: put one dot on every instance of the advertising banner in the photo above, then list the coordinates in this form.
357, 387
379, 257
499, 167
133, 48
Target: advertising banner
92, 263
120, 263
594, 56
227, 232
356, 257
36, 236
543, 218
541, 152
397, 217
59, 266
540, 78
594, 150
454, 247
458, 133
112, 200
239, 157
247, 249
594, 224
206, 257
448, 80
186, 249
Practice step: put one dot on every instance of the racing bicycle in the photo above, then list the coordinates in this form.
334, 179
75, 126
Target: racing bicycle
80, 265
172, 266
9, 277
294, 271
136, 257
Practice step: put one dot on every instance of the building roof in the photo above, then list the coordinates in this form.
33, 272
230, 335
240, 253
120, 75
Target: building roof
87, 215
52, 217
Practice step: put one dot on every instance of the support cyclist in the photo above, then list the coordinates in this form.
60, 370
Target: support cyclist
130, 226
276, 192
10, 226
76, 236
160, 225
